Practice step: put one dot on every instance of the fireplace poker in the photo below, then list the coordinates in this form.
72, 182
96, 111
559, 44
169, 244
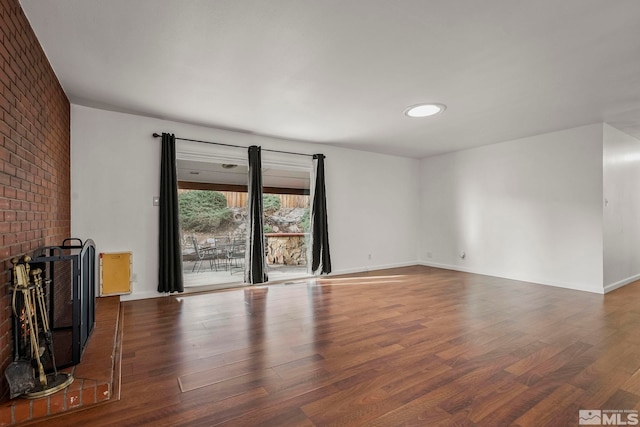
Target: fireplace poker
33, 333
36, 275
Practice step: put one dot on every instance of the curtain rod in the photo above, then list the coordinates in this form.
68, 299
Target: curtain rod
157, 135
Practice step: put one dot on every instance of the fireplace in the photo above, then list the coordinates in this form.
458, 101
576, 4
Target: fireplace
69, 279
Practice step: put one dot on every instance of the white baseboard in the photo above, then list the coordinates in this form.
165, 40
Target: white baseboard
143, 295
365, 269
445, 266
533, 280
621, 283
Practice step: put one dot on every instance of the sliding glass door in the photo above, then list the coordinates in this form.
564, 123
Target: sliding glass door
213, 219
286, 222
212, 207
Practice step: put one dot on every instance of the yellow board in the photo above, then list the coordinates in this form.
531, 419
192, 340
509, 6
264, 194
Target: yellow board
115, 273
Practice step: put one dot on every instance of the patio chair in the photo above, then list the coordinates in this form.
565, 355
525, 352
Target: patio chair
221, 249
236, 255
202, 254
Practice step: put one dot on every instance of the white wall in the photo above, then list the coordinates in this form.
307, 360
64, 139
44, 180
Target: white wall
621, 212
529, 209
372, 199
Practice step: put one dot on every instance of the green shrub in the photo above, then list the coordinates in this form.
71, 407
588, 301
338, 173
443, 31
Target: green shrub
202, 210
270, 203
267, 228
305, 221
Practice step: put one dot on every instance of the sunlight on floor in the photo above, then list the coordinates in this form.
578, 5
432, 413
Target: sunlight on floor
362, 280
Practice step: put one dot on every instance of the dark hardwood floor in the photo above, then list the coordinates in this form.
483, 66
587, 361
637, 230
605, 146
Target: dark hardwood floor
414, 346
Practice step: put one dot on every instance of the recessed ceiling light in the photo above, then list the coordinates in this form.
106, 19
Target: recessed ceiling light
194, 172
229, 166
424, 110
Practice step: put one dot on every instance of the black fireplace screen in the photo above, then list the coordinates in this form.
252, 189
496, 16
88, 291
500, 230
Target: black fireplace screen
69, 276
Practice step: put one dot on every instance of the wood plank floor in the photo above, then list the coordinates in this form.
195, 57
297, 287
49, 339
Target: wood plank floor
414, 346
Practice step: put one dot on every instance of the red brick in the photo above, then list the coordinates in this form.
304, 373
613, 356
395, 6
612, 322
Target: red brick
10, 170
14, 182
5, 104
21, 410
102, 392
73, 399
40, 408
5, 415
4, 128
34, 153
89, 394
9, 239
56, 403
4, 53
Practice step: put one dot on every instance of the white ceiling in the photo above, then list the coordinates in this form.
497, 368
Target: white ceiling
341, 72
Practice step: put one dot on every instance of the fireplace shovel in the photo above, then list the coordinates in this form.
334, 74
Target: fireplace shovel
19, 373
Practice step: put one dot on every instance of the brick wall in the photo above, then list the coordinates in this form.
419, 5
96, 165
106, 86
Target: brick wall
34, 156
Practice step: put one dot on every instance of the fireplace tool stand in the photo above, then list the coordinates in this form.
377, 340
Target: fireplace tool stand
35, 323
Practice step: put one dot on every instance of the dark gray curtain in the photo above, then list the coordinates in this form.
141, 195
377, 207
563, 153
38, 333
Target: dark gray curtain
255, 261
169, 253
320, 257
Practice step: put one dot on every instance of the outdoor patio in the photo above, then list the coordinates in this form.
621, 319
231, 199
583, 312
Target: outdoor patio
221, 279
213, 237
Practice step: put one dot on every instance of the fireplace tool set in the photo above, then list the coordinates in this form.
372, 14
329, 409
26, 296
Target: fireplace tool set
26, 374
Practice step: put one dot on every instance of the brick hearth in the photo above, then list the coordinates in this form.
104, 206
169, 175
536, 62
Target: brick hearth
97, 377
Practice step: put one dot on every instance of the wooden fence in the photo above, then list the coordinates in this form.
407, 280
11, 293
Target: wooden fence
239, 200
